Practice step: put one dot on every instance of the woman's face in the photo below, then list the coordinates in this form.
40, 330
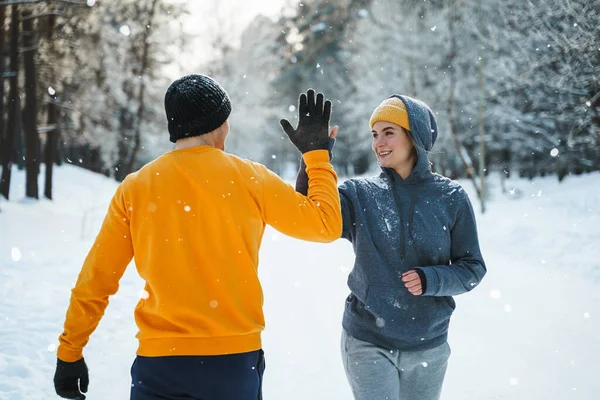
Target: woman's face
393, 146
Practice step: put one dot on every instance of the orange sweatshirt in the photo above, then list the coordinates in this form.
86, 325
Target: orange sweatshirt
193, 220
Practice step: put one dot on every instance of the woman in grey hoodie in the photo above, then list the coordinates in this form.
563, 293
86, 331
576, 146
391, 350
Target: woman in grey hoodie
415, 240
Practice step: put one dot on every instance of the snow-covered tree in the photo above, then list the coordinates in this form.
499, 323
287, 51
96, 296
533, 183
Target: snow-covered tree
549, 92
246, 73
311, 45
107, 69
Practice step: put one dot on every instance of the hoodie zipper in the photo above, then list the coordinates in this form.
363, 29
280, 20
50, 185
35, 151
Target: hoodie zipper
399, 209
411, 210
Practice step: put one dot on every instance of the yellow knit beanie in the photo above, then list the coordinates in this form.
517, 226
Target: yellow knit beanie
391, 110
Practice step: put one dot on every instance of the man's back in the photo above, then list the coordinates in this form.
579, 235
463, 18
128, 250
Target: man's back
193, 220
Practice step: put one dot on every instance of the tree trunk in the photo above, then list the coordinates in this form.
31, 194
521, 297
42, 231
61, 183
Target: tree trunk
32, 140
49, 152
13, 104
462, 152
19, 146
51, 135
137, 135
126, 123
2, 39
482, 168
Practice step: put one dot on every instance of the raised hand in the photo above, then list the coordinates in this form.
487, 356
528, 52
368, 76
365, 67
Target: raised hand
312, 132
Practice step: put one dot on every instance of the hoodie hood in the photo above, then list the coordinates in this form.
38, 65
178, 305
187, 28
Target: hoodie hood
423, 124
423, 127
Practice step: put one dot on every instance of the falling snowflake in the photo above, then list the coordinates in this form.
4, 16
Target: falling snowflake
125, 30
15, 253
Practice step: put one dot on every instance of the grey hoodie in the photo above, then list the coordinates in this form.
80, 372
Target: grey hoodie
424, 222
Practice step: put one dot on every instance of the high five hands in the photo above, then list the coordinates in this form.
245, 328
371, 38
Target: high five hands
312, 132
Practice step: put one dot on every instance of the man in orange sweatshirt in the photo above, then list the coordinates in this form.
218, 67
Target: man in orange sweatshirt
193, 220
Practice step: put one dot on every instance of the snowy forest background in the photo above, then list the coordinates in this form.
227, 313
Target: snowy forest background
515, 84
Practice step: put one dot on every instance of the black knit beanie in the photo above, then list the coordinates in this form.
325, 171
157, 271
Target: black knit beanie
195, 105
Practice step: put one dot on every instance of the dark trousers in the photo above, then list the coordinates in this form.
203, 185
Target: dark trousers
223, 377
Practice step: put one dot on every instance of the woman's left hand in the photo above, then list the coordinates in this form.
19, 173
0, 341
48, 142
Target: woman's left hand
412, 281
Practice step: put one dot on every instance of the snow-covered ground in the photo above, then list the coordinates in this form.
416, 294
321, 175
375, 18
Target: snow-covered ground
531, 330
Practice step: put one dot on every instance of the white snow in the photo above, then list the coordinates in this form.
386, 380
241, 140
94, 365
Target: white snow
538, 340
125, 30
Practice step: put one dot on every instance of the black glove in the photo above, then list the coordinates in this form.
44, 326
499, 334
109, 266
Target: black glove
71, 379
313, 123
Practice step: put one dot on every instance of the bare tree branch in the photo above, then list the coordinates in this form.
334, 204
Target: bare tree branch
10, 2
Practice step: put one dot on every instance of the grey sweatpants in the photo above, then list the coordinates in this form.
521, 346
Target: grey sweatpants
376, 373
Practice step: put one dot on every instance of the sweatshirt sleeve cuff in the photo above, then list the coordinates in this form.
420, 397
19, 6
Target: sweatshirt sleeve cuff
432, 281
68, 355
315, 157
